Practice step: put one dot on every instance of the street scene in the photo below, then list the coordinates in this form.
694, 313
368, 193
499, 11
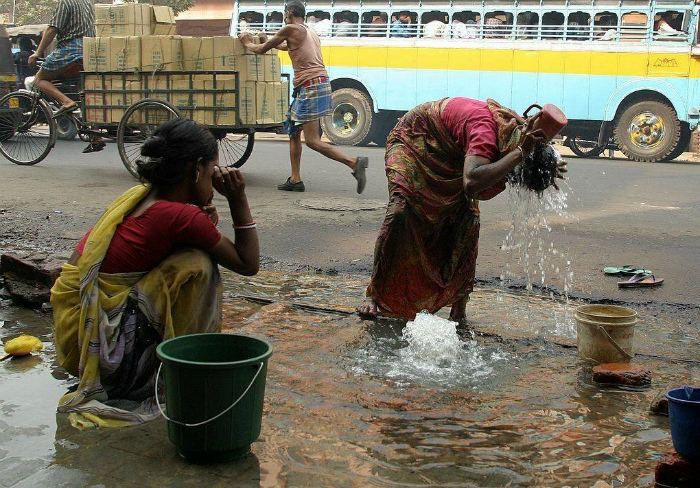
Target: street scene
333, 246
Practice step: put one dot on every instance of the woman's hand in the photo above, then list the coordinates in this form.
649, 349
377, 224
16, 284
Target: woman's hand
212, 213
229, 182
561, 169
531, 137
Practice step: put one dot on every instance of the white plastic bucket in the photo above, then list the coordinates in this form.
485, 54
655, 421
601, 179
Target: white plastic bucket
605, 333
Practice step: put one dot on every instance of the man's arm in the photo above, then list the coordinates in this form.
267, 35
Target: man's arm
273, 42
46, 40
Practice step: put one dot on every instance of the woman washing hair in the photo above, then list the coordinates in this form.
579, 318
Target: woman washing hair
147, 271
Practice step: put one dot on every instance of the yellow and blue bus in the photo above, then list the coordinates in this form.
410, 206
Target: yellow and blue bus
622, 69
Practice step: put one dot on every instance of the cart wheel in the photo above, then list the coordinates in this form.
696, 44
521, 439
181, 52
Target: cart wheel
27, 128
137, 125
235, 149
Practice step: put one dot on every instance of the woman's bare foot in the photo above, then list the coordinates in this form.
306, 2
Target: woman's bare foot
459, 310
368, 308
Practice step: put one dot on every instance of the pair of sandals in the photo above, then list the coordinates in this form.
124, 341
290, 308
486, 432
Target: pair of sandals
93, 146
638, 277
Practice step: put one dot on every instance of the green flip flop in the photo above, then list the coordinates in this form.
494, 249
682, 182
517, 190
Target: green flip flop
627, 269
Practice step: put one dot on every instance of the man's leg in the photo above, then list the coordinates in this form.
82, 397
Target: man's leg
312, 135
43, 82
295, 155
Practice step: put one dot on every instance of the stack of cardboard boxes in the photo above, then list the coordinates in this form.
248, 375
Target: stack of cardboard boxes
134, 38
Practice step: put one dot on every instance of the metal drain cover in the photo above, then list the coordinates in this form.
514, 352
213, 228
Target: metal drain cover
340, 204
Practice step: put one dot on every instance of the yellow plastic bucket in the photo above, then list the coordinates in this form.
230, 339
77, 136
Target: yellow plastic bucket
605, 333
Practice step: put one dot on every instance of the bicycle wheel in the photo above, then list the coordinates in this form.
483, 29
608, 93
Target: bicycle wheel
27, 128
585, 148
234, 149
137, 125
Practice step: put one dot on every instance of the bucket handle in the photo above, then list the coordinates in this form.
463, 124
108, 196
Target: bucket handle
627, 355
214, 417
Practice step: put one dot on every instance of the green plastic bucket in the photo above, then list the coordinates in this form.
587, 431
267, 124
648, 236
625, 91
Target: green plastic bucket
214, 391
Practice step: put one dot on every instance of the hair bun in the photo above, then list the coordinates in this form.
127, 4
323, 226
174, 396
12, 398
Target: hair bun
154, 146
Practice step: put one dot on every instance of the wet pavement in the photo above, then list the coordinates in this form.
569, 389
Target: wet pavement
350, 404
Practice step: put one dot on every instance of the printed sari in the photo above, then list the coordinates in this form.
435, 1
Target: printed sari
425, 255
107, 326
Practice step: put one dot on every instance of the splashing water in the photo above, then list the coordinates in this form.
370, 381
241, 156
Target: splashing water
532, 252
433, 349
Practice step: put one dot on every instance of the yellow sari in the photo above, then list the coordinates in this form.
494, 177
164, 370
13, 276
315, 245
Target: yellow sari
93, 323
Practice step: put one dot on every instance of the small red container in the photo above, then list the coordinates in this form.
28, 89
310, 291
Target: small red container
550, 119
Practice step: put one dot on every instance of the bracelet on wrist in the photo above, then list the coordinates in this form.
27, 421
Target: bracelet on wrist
249, 225
522, 153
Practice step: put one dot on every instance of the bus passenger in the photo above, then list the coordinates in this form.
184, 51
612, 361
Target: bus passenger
609, 33
344, 28
434, 29
311, 98
459, 30
401, 27
663, 27
441, 158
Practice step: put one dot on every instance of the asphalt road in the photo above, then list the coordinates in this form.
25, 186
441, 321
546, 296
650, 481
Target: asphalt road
622, 212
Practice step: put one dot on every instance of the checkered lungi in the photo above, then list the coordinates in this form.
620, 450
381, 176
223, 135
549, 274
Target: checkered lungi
64, 56
310, 102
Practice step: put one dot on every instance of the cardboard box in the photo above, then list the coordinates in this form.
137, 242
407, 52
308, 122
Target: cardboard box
96, 56
265, 103
250, 67
226, 52
129, 19
161, 53
188, 97
162, 21
198, 53
93, 100
248, 107
125, 53
271, 68
286, 93
222, 99
123, 93
281, 105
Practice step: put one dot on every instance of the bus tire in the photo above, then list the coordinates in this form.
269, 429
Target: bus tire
351, 118
648, 131
686, 135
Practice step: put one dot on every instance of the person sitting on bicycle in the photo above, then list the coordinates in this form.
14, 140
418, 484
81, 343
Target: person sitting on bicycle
72, 20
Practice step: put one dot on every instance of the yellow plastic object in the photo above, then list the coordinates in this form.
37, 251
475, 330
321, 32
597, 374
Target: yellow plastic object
23, 345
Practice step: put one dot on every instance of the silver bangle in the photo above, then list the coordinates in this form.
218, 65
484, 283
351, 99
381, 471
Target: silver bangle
522, 153
243, 227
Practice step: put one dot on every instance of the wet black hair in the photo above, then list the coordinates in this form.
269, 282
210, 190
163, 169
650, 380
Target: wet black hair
171, 151
296, 9
537, 171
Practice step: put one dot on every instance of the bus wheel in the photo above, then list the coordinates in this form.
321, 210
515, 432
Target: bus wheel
350, 121
584, 147
648, 131
686, 135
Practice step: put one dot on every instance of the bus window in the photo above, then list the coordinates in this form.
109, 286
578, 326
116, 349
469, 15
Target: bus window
274, 21
466, 25
345, 24
633, 26
668, 25
578, 26
403, 24
605, 26
320, 22
435, 24
497, 25
553, 25
374, 24
527, 25
250, 22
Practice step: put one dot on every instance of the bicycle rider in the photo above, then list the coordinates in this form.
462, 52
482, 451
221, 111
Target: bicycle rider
72, 20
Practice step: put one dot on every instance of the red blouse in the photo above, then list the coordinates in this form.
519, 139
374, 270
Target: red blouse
471, 124
141, 243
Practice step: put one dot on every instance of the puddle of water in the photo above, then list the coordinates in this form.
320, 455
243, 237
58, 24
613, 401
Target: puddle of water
354, 403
